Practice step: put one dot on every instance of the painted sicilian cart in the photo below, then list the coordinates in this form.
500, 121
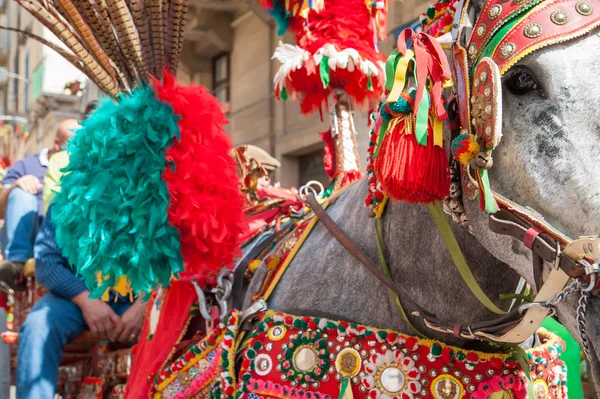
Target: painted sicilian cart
318, 317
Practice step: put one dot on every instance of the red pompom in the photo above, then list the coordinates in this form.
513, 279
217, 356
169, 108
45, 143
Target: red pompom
206, 204
412, 172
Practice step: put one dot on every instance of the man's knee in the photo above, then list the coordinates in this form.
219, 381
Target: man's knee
23, 199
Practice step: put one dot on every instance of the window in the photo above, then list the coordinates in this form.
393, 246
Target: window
221, 78
312, 168
27, 81
37, 83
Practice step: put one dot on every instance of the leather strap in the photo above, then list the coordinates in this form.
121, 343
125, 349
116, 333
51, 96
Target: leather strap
507, 223
347, 243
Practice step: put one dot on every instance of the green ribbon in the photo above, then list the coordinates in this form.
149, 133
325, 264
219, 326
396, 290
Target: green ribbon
324, 71
283, 94
521, 356
343, 387
390, 67
459, 258
422, 119
386, 270
382, 129
488, 196
369, 83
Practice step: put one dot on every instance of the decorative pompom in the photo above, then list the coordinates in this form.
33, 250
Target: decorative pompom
409, 171
465, 148
206, 203
111, 212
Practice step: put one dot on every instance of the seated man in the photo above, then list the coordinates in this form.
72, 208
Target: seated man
63, 314
21, 207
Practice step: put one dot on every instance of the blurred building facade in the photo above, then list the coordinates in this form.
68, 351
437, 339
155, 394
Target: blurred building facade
228, 48
229, 45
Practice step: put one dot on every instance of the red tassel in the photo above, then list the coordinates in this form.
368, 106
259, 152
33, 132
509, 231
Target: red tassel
411, 172
329, 152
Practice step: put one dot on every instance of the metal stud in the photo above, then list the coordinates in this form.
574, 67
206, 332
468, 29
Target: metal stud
364, 353
483, 76
331, 356
305, 385
325, 378
422, 368
457, 373
507, 50
479, 377
495, 11
532, 31
315, 385
490, 372
519, 2
346, 344
372, 343
338, 348
584, 8
488, 131
487, 92
424, 382
476, 83
472, 49
433, 373
424, 392
355, 380
559, 17
480, 31
445, 369
416, 357
330, 344
488, 110
466, 379
471, 388
269, 346
384, 347
363, 388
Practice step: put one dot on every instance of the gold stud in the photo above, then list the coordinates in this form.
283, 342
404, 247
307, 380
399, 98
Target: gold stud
532, 31
480, 31
507, 50
559, 17
519, 2
584, 8
495, 11
483, 75
472, 49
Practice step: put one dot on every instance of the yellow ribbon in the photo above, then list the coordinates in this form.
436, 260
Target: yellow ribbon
400, 76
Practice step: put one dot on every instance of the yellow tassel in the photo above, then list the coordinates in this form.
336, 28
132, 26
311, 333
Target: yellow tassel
253, 265
378, 210
438, 132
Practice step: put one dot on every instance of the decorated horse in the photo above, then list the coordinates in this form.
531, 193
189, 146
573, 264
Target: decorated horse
377, 302
325, 321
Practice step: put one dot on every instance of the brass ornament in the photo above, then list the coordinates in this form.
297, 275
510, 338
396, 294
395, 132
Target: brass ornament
540, 389
495, 11
348, 362
472, 49
447, 387
480, 31
277, 333
507, 50
519, 2
584, 8
532, 31
559, 17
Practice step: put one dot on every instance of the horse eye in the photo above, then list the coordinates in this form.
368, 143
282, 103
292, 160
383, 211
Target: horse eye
520, 81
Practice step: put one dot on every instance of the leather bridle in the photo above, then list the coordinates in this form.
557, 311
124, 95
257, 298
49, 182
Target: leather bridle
513, 327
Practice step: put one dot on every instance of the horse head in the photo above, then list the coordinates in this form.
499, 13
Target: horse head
547, 159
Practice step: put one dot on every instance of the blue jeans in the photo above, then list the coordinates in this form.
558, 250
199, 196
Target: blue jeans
20, 226
53, 322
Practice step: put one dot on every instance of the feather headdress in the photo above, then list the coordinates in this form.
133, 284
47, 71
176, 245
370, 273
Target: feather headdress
150, 192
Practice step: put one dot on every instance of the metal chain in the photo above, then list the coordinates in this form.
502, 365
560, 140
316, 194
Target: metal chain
581, 322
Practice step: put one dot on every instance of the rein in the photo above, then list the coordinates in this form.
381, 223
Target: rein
513, 327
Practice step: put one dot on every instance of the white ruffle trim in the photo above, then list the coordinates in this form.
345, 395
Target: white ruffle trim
293, 58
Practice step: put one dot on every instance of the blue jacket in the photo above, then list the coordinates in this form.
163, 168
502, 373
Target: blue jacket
52, 270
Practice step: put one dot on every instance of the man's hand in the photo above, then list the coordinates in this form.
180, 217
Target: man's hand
99, 317
29, 183
131, 322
